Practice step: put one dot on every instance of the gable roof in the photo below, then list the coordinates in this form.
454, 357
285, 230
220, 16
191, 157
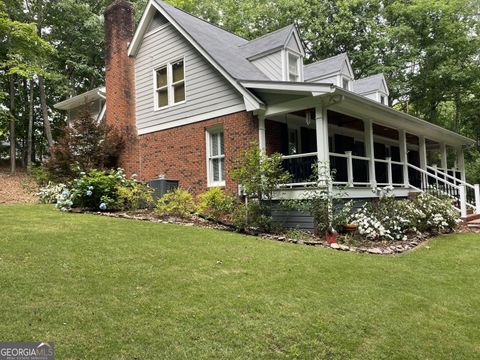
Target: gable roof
323, 67
275, 40
220, 44
370, 84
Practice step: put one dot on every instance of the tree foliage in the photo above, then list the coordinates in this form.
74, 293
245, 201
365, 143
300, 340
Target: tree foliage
85, 144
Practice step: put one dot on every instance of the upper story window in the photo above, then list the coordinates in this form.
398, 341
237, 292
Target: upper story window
293, 67
170, 84
345, 83
382, 99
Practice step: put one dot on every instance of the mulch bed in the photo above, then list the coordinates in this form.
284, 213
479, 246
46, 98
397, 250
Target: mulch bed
308, 239
16, 189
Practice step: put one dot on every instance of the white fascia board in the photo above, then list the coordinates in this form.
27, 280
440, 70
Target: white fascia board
141, 29
79, 100
287, 86
294, 33
252, 102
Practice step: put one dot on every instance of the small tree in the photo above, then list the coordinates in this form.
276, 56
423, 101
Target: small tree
259, 176
84, 145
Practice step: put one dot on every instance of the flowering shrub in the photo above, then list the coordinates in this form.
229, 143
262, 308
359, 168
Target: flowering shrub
177, 202
103, 190
48, 193
393, 219
438, 214
368, 224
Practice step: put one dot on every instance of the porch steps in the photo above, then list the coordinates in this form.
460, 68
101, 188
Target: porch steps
473, 221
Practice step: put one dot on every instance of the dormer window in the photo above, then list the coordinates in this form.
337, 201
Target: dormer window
346, 84
382, 99
293, 67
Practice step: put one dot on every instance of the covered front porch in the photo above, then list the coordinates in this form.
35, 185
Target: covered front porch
366, 146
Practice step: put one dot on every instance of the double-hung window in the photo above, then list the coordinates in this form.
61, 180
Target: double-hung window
170, 84
215, 157
293, 67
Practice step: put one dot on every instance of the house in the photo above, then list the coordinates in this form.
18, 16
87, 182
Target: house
190, 96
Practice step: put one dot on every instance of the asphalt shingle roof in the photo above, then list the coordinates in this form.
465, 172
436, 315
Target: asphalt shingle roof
270, 41
368, 84
223, 46
323, 67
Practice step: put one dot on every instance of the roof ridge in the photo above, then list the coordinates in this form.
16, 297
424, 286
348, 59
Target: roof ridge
268, 34
161, 2
329, 58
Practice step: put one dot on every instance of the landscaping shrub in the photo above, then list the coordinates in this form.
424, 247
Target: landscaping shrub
104, 190
259, 176
216, 204
177, 202
48, 194
328, 209
393, 219
85, 144
253, 216
438, 213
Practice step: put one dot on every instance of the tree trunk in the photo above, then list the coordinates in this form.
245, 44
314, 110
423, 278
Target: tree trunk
13, 150
43, 105
41, 82
30, 129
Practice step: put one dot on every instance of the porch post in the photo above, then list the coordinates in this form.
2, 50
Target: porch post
369, 151
422, 151
443, 157
321, 124
261, 133
403, 155
461, 162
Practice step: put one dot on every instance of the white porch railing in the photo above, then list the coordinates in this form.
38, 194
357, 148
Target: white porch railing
434, 180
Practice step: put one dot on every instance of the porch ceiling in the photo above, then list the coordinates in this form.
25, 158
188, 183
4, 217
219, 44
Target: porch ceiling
299, 96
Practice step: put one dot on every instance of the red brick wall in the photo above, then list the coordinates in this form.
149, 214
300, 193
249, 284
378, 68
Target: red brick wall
180, 153
276, 137
120, 80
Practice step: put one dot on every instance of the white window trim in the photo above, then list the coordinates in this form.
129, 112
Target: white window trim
208, 133
169, 85
349, 83
287, 62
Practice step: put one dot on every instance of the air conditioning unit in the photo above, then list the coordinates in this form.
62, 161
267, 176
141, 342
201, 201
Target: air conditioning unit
161, 186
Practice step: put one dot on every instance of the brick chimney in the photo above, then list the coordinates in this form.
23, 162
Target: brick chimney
120, 80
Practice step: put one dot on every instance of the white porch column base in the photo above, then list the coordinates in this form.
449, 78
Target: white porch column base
369, 152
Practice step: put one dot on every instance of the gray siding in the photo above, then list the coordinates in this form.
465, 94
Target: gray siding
293, 45
270, 65
157, 21
206, 89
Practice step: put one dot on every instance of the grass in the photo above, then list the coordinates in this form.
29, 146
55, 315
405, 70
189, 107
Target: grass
104, 288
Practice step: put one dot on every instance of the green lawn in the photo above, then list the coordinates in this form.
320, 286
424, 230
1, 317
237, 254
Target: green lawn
105, 288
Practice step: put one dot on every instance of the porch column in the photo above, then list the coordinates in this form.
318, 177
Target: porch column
261, 133
369, 151
422, 151
321, 124
443, 157
461, 162
402, 134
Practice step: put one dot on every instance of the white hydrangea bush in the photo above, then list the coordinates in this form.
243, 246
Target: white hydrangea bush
48, 193
391, 219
